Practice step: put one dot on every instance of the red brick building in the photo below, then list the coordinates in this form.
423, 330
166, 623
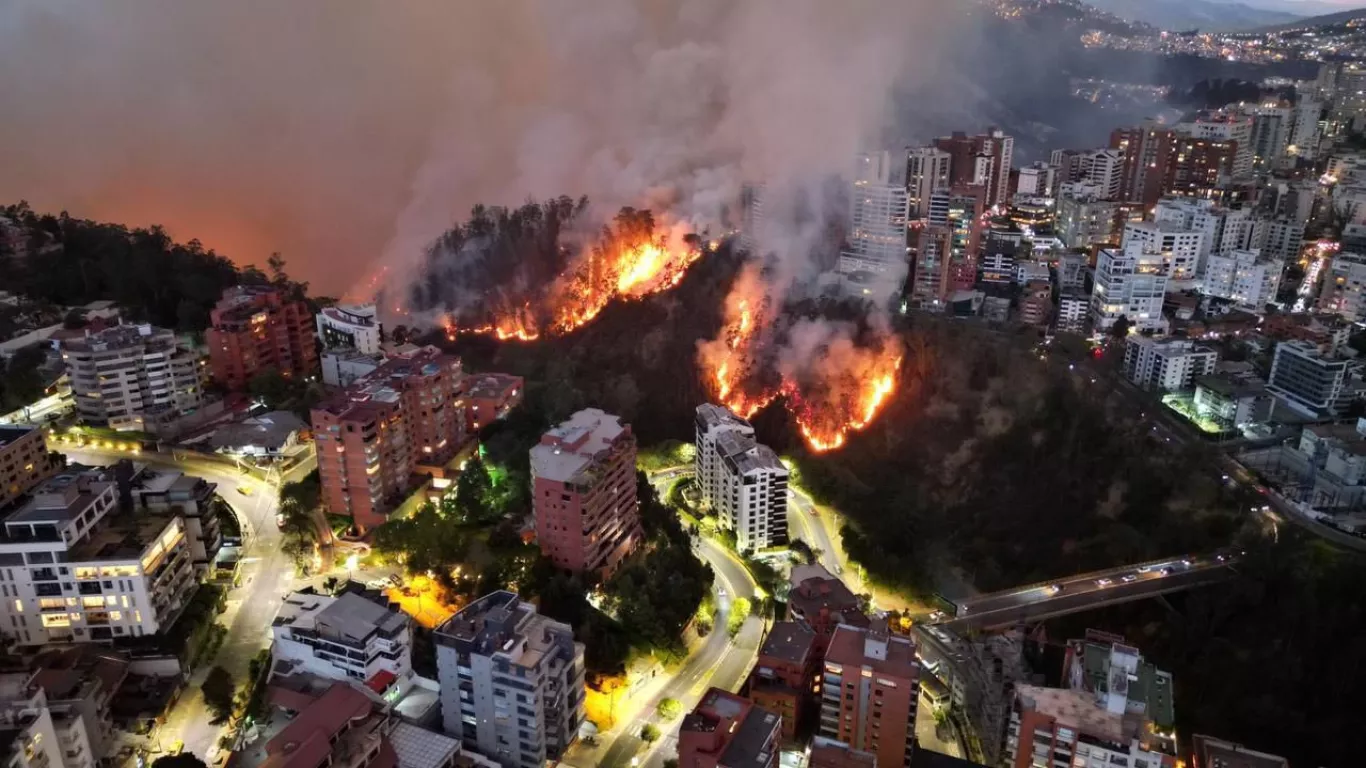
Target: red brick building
584, 493
371, 435
489, 397
820, 602
786, 675
257, 327
869, 693
727, 731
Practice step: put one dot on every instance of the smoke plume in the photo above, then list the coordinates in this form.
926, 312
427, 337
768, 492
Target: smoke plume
350, 135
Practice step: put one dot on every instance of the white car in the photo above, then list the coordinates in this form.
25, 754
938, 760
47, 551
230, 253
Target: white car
1104, 582
1128, 578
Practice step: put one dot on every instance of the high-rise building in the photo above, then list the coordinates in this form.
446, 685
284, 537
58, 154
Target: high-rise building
869, 691
785, 674
1073, 306
1197, 166
1036, 179
728, 731
583, 484
512, 681
1086, 221
1245, 277
131, 377
741, 479
1307, 380
1272, 125
1304, 135
353, 326
1165, 365
1148, 151
1209, 752
820, 602
877, 221
1282, 239
1344, 293
1179, 248
982, 160
1103, 168
931, 248
24, 461
1230, 126
1225, 229
255, 328
94, 574
960, 210
1128, 283
927, 171
371, 436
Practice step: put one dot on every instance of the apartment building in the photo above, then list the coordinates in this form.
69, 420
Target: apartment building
166, 491
353, 637
1180, 248
710, 422
350, 326
752, 498
984, 160
1073, 307
1231, 403
728, 731
1307, 380
1244, 277
828, 753
489, 397
339, 729
869, 692
878, 209
1344, 292
342, 366
37, 734
1131, 284
512, 686
77, 570
1086, 220
784, 675
1166, 365
583, 486
374, 434
1224, 229
254, 328
24, 461
820, 602
132, 377
927, 171
81, 682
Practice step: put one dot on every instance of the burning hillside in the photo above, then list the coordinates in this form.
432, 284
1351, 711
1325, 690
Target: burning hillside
517, 274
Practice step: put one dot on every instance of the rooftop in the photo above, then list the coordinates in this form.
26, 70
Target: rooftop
1151, 687
569, 449
1078, 710
492, 385
350, 615
788, 641
814, 589
1210, 752
355, 314
121, 337
307, 742
125, 537
709, 416
420, 748
269, 430
884, 653
746, 454
749, 733
370, 395
60, 499
1228, 386
11, 434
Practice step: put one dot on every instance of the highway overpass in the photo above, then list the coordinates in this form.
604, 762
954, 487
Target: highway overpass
1084, 592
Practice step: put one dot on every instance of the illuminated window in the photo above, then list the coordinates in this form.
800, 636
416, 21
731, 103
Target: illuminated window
19, 605
56, 620
116, 615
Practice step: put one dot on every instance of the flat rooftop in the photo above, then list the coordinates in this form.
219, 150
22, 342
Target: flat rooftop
747, 454
788, 641
492, 385
710, 415
851, 646
420, 748
571, 447
11, 433
1217, 753
1078, 710
60, 499
122, 537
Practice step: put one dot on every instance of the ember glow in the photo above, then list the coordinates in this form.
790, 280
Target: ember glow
832, 386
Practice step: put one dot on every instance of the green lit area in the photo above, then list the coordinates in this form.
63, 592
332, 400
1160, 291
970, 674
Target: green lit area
1184, 405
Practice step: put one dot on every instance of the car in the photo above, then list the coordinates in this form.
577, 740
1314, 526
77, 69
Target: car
936, 615
1128, 578
279, 520
1221, 558
1186, 563
1164, 572
1053, 589
1104, 582
244, 490
1145, 569
721, 591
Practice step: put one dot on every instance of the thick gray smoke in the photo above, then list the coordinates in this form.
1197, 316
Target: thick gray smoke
349, 135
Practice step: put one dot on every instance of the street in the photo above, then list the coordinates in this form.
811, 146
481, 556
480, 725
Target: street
267, 575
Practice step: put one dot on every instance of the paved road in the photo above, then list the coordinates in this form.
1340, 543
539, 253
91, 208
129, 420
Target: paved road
266, 576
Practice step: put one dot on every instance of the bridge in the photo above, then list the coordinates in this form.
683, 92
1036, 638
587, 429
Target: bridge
1087, 591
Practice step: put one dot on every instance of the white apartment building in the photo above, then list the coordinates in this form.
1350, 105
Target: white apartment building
351, 637
1245, 277
44, 735
1225, 126
1104, 169
1282, 238
1224, 229
1272, 126
1304, 136
1167, 365
927, 172
1128, 284
353, 326
1072, 310
1085, 220
75, 569
1307, 380
1344, 293
1071, 271
169, 491
128, 377
742, 480
343, 367
1036, 179
512, 685
877, 238
1180, 249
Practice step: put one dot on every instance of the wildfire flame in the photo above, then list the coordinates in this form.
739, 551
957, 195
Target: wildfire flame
833, 390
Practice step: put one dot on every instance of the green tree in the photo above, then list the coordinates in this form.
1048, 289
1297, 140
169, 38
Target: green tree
472, 492
273, 388
669, 709
1120, 329
307, 492
218, 689
739, 612
650, 733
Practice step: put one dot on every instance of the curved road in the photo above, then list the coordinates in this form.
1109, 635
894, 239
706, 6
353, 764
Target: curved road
267, 575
